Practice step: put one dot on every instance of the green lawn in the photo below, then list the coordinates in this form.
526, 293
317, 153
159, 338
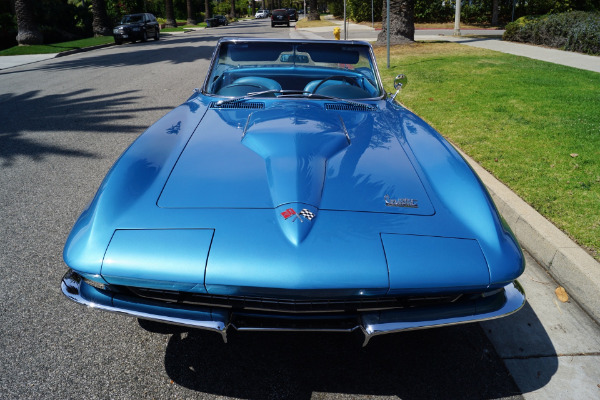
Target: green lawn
534, 125
182, 28
305, 23
56, 47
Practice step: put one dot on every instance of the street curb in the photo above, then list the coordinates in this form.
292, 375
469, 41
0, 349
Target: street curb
83, 50
570, 265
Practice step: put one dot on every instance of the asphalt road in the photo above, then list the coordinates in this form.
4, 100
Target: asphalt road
63, 123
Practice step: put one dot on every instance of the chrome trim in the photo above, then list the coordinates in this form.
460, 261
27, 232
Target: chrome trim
372, 323
75, 288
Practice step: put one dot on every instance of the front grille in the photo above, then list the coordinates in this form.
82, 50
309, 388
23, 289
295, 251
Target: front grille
253, 105
313, 306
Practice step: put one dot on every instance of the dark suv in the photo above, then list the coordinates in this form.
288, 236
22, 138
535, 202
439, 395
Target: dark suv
137, 27
293, 14
280, 17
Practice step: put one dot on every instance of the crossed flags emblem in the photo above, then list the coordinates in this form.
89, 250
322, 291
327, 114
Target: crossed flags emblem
304, 213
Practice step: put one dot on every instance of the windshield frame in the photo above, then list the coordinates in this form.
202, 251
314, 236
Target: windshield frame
381, 93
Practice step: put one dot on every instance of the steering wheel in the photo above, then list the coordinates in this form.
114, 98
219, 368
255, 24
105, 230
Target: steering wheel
241, 89
337, 77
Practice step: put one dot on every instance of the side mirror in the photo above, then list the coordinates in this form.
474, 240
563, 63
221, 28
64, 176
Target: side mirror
399, 82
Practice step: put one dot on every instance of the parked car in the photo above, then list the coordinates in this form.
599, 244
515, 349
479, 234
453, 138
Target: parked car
217, 20
221, 20
293, 14
136, 27
280, 17
291, 192
261, 14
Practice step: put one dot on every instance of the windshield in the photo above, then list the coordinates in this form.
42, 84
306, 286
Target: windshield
129, 19
339, 70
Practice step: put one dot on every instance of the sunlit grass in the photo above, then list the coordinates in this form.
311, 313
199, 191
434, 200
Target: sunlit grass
56, 47
534, 125
305, 23
183, 28
440, 25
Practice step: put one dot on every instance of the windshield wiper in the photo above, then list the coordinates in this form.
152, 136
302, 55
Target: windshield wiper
251, 95
289, 93
325, 97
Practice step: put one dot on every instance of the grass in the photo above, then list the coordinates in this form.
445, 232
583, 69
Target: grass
532, 124
56, 47
441, 25
183, 28
305, 23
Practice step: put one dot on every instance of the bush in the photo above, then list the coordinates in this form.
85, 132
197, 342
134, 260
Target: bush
356, 10
574, 31
433, 11
8, 31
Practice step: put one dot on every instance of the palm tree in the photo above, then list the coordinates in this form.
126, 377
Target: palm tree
100, 25
402, 22
190, 14
495, 12
28, 32
206, 9
313, 15
170, 17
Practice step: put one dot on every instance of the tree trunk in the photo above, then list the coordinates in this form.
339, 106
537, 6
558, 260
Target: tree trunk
232, 12
170, 17
207, 13
495, 11
190, 14
402, 22
101, 26
253, 8
313, 15
28, 32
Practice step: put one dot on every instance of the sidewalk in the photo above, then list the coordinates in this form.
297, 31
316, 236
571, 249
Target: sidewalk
483, 38
15, 61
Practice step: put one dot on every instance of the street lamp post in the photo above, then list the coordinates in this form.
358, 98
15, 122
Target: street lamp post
345, 26
457, 19
387, 18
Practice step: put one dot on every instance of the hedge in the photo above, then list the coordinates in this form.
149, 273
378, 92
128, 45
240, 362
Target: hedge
574, 31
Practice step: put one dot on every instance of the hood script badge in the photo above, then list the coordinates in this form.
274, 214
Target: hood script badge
410, 203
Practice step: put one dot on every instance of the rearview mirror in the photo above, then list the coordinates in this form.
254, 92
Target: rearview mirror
399, 82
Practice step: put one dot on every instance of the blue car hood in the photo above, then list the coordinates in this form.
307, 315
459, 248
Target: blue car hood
296, 153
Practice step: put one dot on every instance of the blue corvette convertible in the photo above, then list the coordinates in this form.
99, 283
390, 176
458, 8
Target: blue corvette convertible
291, 192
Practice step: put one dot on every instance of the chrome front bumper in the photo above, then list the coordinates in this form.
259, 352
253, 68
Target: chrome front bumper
371, 323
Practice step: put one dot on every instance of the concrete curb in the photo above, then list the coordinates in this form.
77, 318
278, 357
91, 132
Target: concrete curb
83, 49
570, 265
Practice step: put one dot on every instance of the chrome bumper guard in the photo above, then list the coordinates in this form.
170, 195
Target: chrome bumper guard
372, 323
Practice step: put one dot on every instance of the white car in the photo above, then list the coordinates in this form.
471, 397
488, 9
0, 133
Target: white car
261, 14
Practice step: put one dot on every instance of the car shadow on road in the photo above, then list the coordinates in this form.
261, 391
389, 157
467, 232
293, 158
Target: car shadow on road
450, 362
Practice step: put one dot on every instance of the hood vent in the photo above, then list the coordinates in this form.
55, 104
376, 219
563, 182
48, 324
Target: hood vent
238, 105
350, 107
